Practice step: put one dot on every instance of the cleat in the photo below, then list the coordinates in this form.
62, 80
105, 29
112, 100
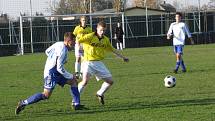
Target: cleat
175, 71
101, 99
19, 107
78, 107
184, 70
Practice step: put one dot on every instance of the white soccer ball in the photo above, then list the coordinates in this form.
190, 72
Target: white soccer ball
169, 81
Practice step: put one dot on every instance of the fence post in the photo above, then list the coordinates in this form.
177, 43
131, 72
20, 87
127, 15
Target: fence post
21, 35
123, 28
147, 24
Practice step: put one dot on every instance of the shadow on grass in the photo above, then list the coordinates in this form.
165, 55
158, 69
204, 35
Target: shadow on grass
102, 109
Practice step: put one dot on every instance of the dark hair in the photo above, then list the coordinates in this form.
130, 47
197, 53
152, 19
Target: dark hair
178, 13
70, 35
102, 23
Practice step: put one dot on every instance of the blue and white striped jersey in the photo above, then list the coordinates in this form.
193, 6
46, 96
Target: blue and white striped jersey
57, 57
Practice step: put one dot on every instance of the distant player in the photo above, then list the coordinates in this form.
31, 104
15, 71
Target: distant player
177, 30
118, 36
95, 46
55, 73
79, 47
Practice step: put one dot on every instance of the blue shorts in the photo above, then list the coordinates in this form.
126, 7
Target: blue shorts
178, 49
53, 79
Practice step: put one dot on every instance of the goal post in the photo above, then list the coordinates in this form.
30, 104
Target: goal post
49, 29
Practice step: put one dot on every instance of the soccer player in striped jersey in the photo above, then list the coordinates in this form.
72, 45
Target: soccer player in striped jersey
55, 73
95, 46
178, 30
78, 47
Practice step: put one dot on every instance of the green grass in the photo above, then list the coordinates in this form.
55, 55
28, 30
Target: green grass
138, 93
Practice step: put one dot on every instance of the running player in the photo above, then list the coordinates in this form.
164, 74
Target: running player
95, 46
55, 73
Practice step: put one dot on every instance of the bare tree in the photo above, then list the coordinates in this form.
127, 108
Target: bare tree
81, 6
117, 5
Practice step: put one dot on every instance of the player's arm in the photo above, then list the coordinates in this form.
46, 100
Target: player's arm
60, 65
85, 38
112, 49
125, 59
169, 33
48, 50
188, 34
75, 32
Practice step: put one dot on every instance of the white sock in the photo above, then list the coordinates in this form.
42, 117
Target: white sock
121, 46
77, 67
103, 88
80, 87
117, 46
25, 102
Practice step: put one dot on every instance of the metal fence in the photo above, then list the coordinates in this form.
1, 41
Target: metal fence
140, 31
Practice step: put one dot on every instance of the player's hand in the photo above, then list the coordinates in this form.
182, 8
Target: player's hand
125, 59
191, 41
169, 36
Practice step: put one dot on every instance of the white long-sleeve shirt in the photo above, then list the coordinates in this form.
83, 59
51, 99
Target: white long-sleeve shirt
57, 57
178, 30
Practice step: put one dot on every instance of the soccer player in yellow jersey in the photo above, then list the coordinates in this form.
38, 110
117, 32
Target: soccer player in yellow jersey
78, 47
95, 45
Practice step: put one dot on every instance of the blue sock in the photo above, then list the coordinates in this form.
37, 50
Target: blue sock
75, 94
35, 98
183, 65
177, 65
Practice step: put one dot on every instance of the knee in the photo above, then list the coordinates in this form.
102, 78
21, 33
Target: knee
78, 59
110, 82
46, 96
84, 83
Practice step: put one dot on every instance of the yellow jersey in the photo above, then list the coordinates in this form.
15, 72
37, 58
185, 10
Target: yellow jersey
79, 30
95, 47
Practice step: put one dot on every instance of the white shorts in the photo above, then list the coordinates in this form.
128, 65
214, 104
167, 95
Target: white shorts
79, 50
96, 68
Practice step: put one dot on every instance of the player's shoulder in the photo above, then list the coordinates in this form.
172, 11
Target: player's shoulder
182, 23
173, 23
59, 44
105, 37
78, 26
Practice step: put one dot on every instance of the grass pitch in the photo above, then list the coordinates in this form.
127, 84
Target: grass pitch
138, 93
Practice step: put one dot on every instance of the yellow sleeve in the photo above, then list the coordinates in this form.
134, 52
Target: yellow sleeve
86, 38
109, 46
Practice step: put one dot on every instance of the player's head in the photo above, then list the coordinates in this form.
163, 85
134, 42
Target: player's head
69, 39
101, 27
83, 21
178, 16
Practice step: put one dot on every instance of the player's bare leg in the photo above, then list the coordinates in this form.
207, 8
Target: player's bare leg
83, 83
77, 67
105, 86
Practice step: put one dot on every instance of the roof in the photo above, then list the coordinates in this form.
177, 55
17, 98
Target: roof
131, 8
106, 11
168, 7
